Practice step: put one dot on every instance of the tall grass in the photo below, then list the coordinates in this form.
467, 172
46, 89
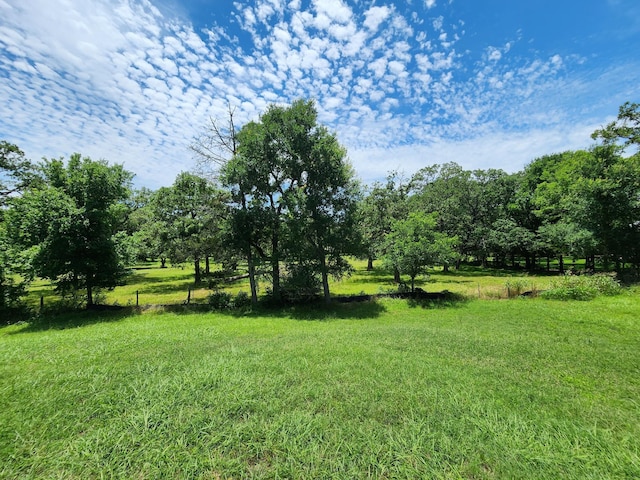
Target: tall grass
522, 389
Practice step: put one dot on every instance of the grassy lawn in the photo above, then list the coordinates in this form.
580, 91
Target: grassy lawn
165, 286
482, 389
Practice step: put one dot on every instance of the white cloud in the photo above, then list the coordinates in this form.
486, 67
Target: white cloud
375, 16
116, 79
335, 10
494, 54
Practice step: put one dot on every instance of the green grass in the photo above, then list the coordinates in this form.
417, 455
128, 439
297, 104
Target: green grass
502, 389
170, 286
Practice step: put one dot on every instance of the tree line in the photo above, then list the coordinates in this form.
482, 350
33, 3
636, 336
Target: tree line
279, 197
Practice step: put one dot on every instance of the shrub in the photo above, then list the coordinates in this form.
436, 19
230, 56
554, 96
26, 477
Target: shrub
220, 300
582, 287
516, 286
300, 284
242, 300
226, 301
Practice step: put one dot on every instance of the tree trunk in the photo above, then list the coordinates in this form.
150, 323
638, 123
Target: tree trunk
207, 269
89, 295
369, 263
445, 268
561, 264
163, 262
325, 279
396, 275
275, 268
413, 284
252, 278
197, 268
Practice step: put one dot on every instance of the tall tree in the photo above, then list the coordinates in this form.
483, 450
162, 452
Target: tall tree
16, 174
414, 244
191, 213
290, 181
214, 148
379, 208
71, 224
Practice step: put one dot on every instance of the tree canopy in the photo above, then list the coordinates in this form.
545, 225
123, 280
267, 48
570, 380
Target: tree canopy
69, 225
283, 196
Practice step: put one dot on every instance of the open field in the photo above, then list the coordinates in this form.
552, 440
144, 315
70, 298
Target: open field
157, 286
526, 388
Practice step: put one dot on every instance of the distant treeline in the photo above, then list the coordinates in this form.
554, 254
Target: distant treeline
279, 197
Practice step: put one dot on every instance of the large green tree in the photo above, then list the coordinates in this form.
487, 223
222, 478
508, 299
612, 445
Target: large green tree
379, 208
294, 193
16, 174
188, 220
71, 224
414, 244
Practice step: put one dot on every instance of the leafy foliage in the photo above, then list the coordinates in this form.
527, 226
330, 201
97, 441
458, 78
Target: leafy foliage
582, 287
414, 244
187, 221
69, 226
295, 194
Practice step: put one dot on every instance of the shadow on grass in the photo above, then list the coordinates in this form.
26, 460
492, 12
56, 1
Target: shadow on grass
314, 311
320, 311
137, 278
169, 288
479, 271
356, 307
77, 318
445, 299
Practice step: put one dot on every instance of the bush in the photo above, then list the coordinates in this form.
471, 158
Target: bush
220, 300
300, 284
242, 300
226, 301
582, 287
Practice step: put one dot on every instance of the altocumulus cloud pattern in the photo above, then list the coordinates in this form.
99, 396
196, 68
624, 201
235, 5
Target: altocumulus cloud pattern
404, 84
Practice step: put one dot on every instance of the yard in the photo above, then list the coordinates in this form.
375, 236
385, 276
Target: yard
521, 388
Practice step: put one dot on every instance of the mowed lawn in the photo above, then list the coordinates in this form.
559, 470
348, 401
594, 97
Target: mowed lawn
523, 388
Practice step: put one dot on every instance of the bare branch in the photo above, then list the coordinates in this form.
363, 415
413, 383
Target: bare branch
216, 145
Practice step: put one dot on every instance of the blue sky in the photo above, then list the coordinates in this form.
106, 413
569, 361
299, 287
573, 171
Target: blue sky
487, 84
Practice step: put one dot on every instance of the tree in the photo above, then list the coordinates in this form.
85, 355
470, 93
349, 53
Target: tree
214, 148
467, 203
216, 145
378, 209
188, 219
507, 238
414, 244
625, 129
292, 190
70, 225
16, 174
323, 222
